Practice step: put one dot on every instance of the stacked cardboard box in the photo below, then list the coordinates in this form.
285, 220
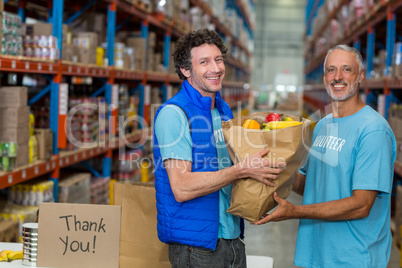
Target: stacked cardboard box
75, 188
45, 143
99, 189
151, 60
45, 29
14, 121
139, 46
86, 42
172, 69
180, 9
92, 22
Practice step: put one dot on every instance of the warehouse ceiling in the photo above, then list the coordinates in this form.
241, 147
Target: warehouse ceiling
278, 39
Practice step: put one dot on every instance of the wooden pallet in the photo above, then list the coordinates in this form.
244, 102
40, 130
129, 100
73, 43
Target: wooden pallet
146, 7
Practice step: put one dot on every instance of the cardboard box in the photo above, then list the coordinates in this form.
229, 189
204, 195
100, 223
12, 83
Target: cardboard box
139, 64
13, 96
75, 188
77, 235
39, 29
158, 61
87, 56
13, 117
42, 28
91, 22
138, 43
150, 61
22, 158
139, 243
67, 52
88, 39
397, 70
9, 231
45, 143
86, 44
18, 135
151, 40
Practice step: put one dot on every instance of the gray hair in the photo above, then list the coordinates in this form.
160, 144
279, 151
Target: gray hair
347, 48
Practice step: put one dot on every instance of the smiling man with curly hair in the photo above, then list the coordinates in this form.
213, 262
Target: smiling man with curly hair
193, 170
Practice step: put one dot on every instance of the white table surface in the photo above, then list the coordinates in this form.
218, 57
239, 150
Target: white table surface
259, 262
16, 263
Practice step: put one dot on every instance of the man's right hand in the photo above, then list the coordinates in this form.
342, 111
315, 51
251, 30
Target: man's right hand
261, 169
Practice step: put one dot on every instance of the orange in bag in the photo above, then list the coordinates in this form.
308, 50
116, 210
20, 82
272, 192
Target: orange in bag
251, 124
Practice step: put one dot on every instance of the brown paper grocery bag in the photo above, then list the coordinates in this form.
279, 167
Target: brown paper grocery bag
252, 199
139, 243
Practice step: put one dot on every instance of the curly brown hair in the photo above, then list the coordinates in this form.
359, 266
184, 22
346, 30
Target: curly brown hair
182, 53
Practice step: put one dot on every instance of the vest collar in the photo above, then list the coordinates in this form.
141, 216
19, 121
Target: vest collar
198, 100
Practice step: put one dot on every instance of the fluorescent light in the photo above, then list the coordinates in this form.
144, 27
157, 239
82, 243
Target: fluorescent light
280, 88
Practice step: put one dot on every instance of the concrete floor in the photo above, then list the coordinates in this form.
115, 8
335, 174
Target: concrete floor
278, 239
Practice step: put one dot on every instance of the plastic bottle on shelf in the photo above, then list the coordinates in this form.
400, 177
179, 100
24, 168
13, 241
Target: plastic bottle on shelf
100, 52
25, 194
145, 171
33, 142
18, 196
31, 123
32, 195
33, 149
12, 192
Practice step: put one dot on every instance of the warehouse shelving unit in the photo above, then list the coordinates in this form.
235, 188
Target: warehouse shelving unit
64, 159
119, 13
373, 30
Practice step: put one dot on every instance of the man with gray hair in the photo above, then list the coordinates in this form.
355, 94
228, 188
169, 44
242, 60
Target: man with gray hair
346, 181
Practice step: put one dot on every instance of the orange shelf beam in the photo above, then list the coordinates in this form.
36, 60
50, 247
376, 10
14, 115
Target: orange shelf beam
16, 64
65, 159
27, 172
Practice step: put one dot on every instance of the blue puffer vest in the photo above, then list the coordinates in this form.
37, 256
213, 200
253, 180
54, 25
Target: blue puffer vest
194, 222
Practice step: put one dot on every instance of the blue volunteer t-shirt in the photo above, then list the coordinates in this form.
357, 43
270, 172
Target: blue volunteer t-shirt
229, 225
351, 153
174, 138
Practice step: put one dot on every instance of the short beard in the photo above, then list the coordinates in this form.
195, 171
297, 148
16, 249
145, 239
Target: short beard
348, 95
205, 89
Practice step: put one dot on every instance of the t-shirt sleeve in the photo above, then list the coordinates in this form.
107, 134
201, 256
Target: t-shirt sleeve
302, 170
374, 163
173, 133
